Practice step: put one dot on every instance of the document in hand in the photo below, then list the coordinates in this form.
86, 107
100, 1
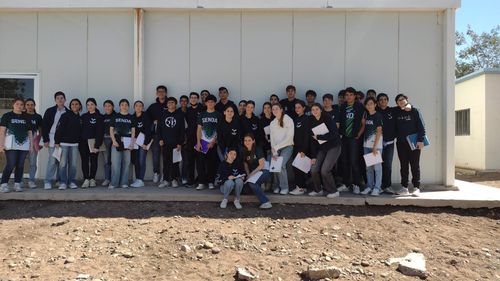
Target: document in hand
412, 141
176, 156
126, 142
91, 143
140, 139
57, 153
267, 132
371, 159
254, 178
275, 166
302, 163
321, 129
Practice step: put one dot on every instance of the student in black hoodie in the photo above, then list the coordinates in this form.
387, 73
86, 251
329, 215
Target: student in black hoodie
266, 117
251, 123
231, 175
288, 104
389, 134
192, 113
92, 128
409, 122
140, 152
228, 132
302, 139
224, 101
155, 110
183, 107
326, 151
67, 138
172, 131
109, 113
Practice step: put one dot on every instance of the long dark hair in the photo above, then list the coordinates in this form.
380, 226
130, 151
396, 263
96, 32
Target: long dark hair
262, 115
34, 103
248, 154
280, 120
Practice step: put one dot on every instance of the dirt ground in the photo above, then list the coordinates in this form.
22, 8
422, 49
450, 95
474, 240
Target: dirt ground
484, 178
144, 241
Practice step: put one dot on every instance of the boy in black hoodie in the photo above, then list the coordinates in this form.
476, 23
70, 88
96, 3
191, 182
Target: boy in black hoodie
171, 131
155, 110
194, 109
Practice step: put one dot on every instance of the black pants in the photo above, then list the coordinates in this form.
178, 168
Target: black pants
191, 154
407, 158
89, 161
207, 165
350, 161
170, 170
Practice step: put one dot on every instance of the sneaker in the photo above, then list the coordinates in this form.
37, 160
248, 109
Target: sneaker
375, 192
403, 191
93, 183
266, 205
62, 186
47, 186
4, 188
366, 191
223, 204
73, 185
137, 183
355, 189
333, 195
237, 204
342, 188
105, 183
416, 192
211, 186
124, 185
175, 183
284, 191
314, 193
201, 186
276, 190
390, 190
31, 184
18, 187
297, 191
58, 183
164, 184
156, 177
86, 183
184, 182
111, 187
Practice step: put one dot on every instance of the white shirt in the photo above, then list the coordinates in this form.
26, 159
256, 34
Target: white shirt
282, 136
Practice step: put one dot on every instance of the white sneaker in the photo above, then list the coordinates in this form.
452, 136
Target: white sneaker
164, 184
18, 187
31, 184
4, 188
355, 189
390, 190
124, 185
237, 204
314, 193
223, 204
175, 183
333, 195
62, 186
416, 192
284, 191
86, 183
111, 187
184, 181
156, 177
375, 192
137, 183
211, 186
266, 205
93, 183
105, 183
47, 186
297, 191
366, 191
58, 183
342, 188
73, 185
201, 186
276, 190
403, 191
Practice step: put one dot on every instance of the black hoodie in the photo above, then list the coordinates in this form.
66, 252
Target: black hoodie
69, 128
225, 170
192, 126
408, 123
106, 120
332, 138
143, 125
228, 134
220, 107
264, 122
171, 128
93, 128
302, 137
252, 125
155, 110
389, 121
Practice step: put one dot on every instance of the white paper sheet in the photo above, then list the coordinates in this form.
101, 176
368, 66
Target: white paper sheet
275, 166
126, 142
176, 156
267, 132
254, 178
303, 164
57, 153
266, 165
321, 129
371, 159
140, 139
9, 140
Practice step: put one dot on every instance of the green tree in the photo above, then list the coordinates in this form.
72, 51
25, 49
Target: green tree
477, 51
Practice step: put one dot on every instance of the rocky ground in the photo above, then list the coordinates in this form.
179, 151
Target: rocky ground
199, 241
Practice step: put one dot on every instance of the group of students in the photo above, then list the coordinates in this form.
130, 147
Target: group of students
221, 143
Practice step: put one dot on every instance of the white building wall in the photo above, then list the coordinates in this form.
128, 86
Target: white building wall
492, 118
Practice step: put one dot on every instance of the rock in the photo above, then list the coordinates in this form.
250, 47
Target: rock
318, 272
59, 223
365, 263
208, 245
186, 248
246, 273
82, 276
199, 256
215, 250
412, 265
70, 260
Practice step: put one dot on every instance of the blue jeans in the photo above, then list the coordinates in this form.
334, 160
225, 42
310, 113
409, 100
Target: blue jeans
120, 162
256, 187
373, 173
15, 159
387, 156
69, 160
107, 158
229, 185
282, 176
52, 167
140, 163
33, 166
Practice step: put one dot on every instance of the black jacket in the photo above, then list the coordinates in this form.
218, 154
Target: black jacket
264, 122
106, 120
48, 121
69, 128
408, 123
144, 126
225, 170
332, 138
92, 128
228, 134
302, 137
192, 126
155, 110
389, 121
171, 128
252, 125
220, 107
289, 107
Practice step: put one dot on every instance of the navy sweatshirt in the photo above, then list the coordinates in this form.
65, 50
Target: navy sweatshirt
302, 137
220, 107
332, 138
228, 134
408, 123
191, 119
171, 128
155, 110
106, 120
143, 125
225, 170
389, 121
289, 107
92, 128
48, 121
252, 125
69, 129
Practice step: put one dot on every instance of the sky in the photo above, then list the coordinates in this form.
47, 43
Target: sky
481, 15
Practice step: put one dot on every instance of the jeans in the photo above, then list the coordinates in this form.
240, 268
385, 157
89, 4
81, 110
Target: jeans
107, 158
15, 160
256, 187
69, 160
281, 178
120, 162
206, 165
373, 173
229, 185
156, 148
140, 163
325, 161
170, 170
52, 167
33, 164
387, 156
350, 161
407, 158
89, 161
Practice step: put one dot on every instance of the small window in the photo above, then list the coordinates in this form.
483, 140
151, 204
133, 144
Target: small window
462, 122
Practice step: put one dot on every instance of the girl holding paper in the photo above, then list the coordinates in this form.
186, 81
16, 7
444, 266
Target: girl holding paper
140, 152
16, 140
230, 175
93, 130
36, 130
373, 144
254, 163
326, 151
109, 113
282, 131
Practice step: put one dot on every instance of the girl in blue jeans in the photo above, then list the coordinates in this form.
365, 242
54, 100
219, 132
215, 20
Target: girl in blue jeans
373, 144
254, 161
230, 175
